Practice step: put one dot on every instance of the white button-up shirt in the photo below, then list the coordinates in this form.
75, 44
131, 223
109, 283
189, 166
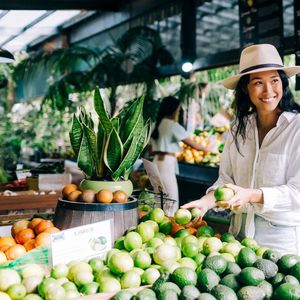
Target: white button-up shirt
274, 168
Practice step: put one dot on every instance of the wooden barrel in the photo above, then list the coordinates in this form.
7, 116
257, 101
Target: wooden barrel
72, 214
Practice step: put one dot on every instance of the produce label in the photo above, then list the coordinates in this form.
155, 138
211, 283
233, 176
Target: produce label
82, 242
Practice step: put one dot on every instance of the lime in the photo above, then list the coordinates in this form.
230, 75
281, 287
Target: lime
110, 285
130, 279
189, 239
160, 235
55, 292
96, 263
199, 259
155, 242
182, 216
119, 243
223, 194
123, 295
190, 249
16, 291
90, 288
228, 257
232, 248
157, 215
120, 263
187, 262
216, 263
261, 250
201, 240
83, 277
196, 212
182, 233
165, 226
170, 266
132, 241
246, 257
211, 244
164, 253
154, 225
69, 286
146, 231
8, 277
205, 230
183, 276
70, 294
250, 243
59, 270
227, 237
142, 259
170, 241
150, 276
31, 297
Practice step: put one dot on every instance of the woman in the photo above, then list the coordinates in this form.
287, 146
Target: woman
165, 143
261, 158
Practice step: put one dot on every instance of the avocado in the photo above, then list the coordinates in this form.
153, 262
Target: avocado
216, 263
286, 262
251, 293
183, 276
145, 294
231, 281
277, 280
189, 292
207, 279
267, 266
295, 271
272, 255
123, 295
222, 292
232, 268
267, 288
246, 258
290, 279
206, 296
251, 276
287, 291
168, 295
164, 277
170, 286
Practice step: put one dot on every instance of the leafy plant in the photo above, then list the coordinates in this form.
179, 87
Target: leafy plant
110, 152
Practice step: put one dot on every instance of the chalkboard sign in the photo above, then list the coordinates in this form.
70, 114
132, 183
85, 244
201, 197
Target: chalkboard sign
297, 38
261, 22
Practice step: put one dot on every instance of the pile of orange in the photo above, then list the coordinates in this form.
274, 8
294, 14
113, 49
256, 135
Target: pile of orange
26, 235
71, 192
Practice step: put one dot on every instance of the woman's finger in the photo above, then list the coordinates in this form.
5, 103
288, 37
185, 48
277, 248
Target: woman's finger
191, 204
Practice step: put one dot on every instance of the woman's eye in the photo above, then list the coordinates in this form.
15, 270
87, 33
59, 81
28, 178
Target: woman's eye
257, 82
275, 80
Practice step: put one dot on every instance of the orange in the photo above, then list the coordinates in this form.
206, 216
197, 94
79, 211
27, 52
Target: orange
18, 226
120, 196
176, 227
24, 235
34, 222
74, 195
104, 196
68, 189
51, 230
44, 224
6, 242
15, 252
192, 230
29, 245
43, 239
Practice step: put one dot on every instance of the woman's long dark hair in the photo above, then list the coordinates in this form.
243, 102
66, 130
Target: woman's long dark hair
167, 107
244, 107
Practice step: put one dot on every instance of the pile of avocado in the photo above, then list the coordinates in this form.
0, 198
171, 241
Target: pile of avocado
250, 277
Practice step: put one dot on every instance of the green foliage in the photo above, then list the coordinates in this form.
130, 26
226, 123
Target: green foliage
110, 151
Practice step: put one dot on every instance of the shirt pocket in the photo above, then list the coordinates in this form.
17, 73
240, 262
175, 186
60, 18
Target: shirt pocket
272, 169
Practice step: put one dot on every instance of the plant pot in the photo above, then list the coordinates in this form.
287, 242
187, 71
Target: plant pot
113, 186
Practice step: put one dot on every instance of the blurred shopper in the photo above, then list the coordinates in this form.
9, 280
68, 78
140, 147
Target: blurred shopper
165, 144
261, 158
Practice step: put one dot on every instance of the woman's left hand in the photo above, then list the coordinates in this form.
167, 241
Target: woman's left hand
241, 197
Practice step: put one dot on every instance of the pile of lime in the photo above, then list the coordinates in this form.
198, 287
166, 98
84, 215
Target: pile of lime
184, 266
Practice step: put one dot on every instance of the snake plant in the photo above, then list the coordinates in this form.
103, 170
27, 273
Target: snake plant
109, 152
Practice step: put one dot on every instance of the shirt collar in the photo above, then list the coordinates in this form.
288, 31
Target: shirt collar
286, 115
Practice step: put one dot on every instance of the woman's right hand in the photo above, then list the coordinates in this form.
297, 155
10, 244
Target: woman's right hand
204, 204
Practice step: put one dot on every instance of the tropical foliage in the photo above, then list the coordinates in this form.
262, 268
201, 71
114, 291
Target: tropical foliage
109, 152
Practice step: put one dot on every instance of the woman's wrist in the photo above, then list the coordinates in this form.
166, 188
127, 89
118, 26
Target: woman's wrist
257, 196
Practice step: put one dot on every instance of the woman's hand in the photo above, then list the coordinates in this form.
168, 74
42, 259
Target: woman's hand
204, 204
241, 197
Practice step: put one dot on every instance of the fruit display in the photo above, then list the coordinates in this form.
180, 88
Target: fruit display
25, 236
179, 257
71, 192
204, 138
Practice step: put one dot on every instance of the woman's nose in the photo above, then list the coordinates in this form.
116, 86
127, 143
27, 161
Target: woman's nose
268, 87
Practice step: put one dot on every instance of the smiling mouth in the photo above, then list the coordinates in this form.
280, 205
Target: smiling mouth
267, 100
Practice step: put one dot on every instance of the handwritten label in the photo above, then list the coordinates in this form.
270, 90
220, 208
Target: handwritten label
82, 242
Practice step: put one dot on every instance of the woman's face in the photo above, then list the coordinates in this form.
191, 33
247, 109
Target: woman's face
265, 90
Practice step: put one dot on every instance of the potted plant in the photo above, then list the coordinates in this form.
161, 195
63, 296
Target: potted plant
106, 154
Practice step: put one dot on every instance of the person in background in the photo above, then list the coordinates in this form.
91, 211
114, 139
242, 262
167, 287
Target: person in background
165, 140
261, 157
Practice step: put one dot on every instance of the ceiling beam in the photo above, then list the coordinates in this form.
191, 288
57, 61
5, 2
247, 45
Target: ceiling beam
109, 5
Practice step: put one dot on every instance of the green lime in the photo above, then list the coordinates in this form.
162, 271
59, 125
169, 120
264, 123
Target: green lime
157, 215
165, 226
146, 231
182, 216
130, 279
205, 230
132, 241
223, 194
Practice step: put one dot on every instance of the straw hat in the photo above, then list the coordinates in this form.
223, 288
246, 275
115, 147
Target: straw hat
259, 58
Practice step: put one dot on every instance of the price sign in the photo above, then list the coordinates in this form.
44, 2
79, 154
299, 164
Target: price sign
82, 242
154, 176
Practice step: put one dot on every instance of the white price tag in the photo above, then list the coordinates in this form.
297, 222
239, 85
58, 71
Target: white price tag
82, 242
